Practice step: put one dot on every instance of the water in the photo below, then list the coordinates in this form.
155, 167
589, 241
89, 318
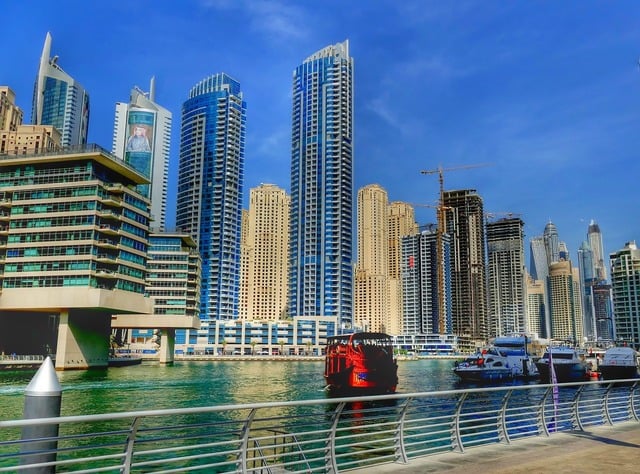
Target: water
152, 386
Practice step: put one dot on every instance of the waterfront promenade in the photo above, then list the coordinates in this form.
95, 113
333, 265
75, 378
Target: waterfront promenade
598, 449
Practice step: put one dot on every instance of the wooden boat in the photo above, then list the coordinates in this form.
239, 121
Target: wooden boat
360, 362
619, 363
567, 364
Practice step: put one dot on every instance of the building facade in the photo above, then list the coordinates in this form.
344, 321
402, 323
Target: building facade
142, 138
10, 114
564, 297
73, 251
59, 100
265, 252
625, 286
506, 282
535, 311
321, 274
371, 280
210, 187
464, 217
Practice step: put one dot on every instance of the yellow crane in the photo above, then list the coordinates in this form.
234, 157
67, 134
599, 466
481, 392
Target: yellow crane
441, 229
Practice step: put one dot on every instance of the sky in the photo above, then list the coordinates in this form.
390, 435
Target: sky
534, 104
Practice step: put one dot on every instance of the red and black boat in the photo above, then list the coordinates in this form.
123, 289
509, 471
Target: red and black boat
361, 362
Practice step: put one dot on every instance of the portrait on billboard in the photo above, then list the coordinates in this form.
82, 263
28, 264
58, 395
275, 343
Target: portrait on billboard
139, 138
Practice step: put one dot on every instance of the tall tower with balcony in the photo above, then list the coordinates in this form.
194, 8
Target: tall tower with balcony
321, 275
210, 187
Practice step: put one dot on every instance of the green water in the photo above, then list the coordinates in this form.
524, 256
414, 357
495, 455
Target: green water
151, 386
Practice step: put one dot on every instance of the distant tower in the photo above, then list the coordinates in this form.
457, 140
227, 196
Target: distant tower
535, 307
321, 274
551, 243
402, 222
10, 114
210, 185
595, 241
506, 283
142, 137
625, 284
371, 279
59, 100
566, 309
419, 283
587, 280
266, 247
465, 224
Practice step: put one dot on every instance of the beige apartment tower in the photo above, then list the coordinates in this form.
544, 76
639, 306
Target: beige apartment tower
10, 114
564, 299
265, 251
371, 279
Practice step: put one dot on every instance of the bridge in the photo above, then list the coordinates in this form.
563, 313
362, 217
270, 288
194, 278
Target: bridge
481, 428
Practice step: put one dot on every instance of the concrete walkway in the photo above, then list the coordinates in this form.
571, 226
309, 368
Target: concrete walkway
599, 449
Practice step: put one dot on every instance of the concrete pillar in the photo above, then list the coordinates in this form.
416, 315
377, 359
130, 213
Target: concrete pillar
43, 398
167, 346
83, 340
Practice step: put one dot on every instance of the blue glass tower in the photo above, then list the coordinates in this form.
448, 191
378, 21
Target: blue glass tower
320, 278
59, 100
210, 186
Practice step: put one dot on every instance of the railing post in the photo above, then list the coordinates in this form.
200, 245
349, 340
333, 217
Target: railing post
43, 397
131, 441
456, 437
330, 463
542, 418
632, 408
605, 404
503, 432
577, 422
401, 452
246, 429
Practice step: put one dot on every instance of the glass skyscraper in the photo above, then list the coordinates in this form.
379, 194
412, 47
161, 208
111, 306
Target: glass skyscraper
142, 138
210, 186
59, 100
321, 275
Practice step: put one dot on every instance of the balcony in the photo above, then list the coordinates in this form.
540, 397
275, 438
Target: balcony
108, 229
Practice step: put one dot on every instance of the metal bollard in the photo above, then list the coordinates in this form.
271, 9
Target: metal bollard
42, 399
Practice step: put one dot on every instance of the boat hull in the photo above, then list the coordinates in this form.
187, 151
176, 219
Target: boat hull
565, 372
484, 375
124, 361
618, 372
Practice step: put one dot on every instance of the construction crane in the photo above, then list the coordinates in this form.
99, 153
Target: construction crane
441, 229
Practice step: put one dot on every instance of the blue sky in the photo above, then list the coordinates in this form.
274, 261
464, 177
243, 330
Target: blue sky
545, 93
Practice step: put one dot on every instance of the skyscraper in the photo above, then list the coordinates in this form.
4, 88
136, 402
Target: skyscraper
595, 241
265, 253
210, 186
142, 138
506, 284
564, 300
464, 216
59, 100
371, 280
625, 283
10, 114
321, 275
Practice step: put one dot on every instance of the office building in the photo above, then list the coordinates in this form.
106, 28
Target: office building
563, 288
321, 273
587, 280
142, 138
551, 243
210, 187
265, 253
59, 100
371, 279
625, 288
421, 299
73, 251
464, 218
595, 242
506, 282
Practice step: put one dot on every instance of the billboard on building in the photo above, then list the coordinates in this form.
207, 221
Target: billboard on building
139, 145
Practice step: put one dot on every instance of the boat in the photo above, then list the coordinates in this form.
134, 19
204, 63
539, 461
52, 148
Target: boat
124, 360
485, 366
516, 349
619, 363
361, 362
568, 365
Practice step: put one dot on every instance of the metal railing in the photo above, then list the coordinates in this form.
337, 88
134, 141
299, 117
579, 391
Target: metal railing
325, 436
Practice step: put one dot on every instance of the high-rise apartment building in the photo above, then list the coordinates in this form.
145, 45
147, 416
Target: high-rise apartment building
59, 100
421, 305
625, 284
464, 218
564, 298
402, 222
371, 279
142, 138
10, 114
73, 251
210, 186
535, 305
551, 243
587, 280
265, 254
321, 274
506, 283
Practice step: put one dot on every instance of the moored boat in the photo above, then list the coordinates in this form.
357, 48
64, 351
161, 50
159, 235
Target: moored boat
485, 366
362, 363
124, 360
567, 364
619, 363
